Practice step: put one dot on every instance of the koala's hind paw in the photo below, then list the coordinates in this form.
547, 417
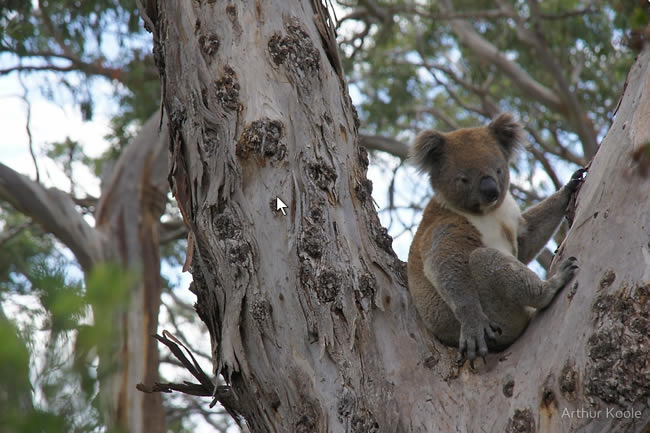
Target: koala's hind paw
566, 272
473, 336
553, 285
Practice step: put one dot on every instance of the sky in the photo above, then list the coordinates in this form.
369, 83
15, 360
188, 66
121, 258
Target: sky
49, 123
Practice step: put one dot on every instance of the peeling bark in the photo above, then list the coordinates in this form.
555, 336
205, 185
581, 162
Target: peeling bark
310, 320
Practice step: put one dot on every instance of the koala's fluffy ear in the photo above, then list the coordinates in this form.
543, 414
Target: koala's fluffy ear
508, 133
428, 150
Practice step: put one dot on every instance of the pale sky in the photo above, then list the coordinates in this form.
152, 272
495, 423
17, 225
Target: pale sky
49, 123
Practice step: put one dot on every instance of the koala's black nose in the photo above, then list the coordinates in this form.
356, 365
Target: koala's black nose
488, 189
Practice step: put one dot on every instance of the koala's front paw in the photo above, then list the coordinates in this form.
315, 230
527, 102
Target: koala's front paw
576, 178
473, 332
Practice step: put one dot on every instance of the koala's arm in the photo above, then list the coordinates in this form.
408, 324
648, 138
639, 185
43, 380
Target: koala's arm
542, 220
446, 266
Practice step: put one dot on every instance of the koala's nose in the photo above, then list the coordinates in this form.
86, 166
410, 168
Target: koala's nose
488, 189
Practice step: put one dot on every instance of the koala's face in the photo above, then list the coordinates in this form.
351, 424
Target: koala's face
468, 168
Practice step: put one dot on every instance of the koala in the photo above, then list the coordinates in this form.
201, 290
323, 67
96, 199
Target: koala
467, 270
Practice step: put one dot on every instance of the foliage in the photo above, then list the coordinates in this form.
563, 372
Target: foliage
64, 348
416, 62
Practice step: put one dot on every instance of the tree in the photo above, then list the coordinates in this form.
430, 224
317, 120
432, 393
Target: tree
310, 322
74, 47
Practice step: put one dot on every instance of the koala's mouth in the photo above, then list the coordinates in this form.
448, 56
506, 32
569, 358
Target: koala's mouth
486, 207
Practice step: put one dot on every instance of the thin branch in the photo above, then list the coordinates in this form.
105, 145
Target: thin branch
487, 14
178, 333
524, 194
520, 28
558, 149
485, 110
384, 14
360, 37
356, 14
11, 232
205, 387
28, 127
541, 157
568, 14
438, 114
28, 68
87, 202
172, 231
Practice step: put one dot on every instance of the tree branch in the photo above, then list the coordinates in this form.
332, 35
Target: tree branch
470, 38
172, 231
11, 232
55, 211
384, 144
440, 115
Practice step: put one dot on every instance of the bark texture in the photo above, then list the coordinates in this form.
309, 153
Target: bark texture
128, 216
126, 232
310, 320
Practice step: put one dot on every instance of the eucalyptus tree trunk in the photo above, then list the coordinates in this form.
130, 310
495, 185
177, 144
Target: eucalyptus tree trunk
310, 320
128, 220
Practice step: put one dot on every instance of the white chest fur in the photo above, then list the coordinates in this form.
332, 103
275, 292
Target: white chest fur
498, 228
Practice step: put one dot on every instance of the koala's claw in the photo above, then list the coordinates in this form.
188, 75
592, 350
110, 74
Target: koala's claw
576, 179
461, 360
475, 338
569, 265
496, 329
566, 272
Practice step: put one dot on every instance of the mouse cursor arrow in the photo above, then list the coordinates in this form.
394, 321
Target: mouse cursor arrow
280, 206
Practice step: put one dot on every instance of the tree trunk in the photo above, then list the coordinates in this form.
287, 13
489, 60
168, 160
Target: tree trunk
126, 232
128, 215
309, 316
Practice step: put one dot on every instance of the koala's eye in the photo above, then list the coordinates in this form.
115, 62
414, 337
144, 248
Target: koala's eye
499, 171
462, 179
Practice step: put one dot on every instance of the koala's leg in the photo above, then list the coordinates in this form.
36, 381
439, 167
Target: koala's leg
445, 266
504, 274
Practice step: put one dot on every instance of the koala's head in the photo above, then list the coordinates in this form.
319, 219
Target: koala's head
468, 167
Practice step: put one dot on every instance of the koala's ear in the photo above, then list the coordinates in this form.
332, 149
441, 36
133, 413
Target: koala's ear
508, 133
428, 150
